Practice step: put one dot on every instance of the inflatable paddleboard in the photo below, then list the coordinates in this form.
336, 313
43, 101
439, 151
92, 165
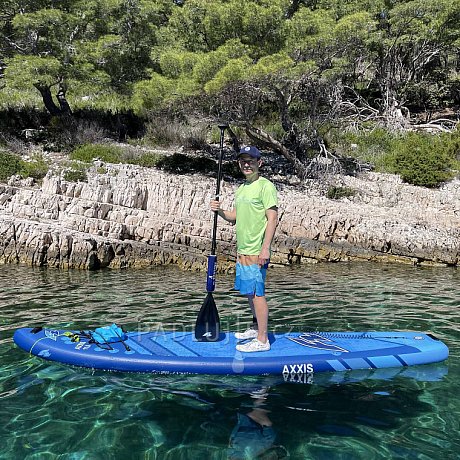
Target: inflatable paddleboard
295, 353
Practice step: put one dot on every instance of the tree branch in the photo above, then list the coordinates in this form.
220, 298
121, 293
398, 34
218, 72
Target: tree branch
259, 135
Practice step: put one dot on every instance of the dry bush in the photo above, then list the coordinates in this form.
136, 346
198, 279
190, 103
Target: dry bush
89, 132
165, 132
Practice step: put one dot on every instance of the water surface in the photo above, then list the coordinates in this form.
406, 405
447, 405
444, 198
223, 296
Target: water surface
51, 411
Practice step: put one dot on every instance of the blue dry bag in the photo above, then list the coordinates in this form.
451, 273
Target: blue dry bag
110, 334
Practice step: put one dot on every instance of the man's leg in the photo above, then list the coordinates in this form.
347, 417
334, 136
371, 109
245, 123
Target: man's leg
261, 310
254, 324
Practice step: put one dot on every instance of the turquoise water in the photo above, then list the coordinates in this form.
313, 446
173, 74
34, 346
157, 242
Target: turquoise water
49, 411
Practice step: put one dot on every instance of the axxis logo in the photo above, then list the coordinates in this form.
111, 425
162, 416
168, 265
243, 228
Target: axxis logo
312, 340
292, 369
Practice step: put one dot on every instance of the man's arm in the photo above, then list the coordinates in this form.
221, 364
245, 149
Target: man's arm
272, 223
229, 216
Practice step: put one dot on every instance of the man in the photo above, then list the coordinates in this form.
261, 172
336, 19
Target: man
256, 216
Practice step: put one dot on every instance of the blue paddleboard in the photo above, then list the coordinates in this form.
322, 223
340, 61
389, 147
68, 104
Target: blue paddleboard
295, 353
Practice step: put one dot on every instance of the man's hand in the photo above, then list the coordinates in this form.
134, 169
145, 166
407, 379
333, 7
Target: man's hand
214, 205
229, 216
264, 257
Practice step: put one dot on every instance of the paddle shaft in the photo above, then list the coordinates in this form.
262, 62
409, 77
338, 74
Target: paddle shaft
219, 178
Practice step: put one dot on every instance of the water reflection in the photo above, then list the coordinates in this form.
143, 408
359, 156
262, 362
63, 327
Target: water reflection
254, 435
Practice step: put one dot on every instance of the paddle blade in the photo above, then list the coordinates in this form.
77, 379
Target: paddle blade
207, 326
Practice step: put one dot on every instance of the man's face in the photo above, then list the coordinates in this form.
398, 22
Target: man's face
248, 165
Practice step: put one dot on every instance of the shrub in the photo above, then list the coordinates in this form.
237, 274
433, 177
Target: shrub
337, 192
422, 159
365, 145
60, 134
77, 172
165, 132
36, 168
275, 129
15, 145
89, 132
453, 146
9, 164
88, 152
194, 137
147, 159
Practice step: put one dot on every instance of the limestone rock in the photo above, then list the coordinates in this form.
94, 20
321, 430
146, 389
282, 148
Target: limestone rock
132, 217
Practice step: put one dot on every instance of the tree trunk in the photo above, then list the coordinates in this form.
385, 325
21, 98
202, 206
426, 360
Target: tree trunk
65, 107
234, 138
52, 108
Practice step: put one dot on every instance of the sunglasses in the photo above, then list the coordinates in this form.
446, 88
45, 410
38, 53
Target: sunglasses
252, 161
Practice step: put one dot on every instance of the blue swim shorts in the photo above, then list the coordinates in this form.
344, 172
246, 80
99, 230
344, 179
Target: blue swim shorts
250, 279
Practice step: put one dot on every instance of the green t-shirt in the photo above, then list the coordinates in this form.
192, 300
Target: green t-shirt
252, 199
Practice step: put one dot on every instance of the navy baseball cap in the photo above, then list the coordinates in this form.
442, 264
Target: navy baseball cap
250, 150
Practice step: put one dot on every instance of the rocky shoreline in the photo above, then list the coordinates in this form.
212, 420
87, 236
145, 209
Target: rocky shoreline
128, 216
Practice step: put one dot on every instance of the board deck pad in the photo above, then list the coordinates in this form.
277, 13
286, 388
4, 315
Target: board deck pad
294, 353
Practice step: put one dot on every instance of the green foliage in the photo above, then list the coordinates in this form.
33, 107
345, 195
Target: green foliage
147, 159
233, 71
114, 154
453, 146
89, 152
36, 168
369, 145
51, 24
201, 25
303, 65
337, 192
31, 70
92, 47
9, 164
309, 31
274, 128
208, 64
77, 172
422, 159
174, 63
151, 94
271, 65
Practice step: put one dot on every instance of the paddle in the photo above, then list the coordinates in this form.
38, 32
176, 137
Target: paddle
207, 326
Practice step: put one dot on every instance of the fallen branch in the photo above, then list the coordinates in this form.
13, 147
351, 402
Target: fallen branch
438, 125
